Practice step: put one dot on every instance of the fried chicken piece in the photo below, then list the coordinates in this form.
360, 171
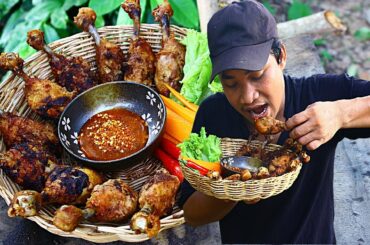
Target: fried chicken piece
112, 201
141, 61
70, 185
156, 198
73, 73
109, 56
269, 125
25, 204
44, 97
171, 58
67, 217
28, 165
16, 129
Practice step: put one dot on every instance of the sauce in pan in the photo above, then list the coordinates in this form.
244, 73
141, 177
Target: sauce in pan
113, 134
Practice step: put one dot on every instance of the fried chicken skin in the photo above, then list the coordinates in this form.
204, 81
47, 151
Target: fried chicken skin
73, 73
112, 201
44, 97
109, 56
16, 129
28, 165
171, 58
141, 61
156, 198
70, 185
269, 125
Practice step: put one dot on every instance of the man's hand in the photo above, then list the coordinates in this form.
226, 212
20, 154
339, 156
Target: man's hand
316, 125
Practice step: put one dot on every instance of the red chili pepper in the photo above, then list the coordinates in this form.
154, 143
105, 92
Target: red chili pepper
202, 170
170, 148
172, 165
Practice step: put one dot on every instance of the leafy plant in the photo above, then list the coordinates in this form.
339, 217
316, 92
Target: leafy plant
270, 8
326, 57
298, 9
362, 34
319, 42
55, 18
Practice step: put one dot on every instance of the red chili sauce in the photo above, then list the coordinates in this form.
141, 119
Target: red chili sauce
113, 134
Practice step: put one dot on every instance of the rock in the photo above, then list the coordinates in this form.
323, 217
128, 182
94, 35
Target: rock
367, 15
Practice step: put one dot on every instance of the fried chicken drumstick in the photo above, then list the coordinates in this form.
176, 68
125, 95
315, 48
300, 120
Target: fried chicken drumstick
109, 56
73, 73
269, 125
171, 58
156, 199
16, 129
112, 201
44, 97
64, 185
141, 61
28, 165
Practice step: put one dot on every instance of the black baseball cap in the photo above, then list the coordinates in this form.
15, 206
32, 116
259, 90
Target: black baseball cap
240, 37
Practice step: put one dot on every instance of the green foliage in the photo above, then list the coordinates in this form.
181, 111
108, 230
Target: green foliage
319, 42
298, 10
326, 57
362, 34
5, 6
270, 8
55, 19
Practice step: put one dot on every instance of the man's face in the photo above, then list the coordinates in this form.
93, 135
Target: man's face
256, 94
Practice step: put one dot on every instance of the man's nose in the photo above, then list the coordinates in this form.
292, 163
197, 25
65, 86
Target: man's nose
248, 94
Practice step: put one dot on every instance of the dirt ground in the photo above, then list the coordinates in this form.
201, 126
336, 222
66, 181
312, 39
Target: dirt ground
345, 49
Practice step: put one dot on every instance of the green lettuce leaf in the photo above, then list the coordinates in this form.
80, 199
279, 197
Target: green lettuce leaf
201, 147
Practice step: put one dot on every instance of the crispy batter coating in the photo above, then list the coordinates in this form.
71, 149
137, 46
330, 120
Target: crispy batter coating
269, 125
70, 185
44, 97
67, 217
141, 61
171, 58
86, 17
16, 129
112, 201
28, 165
156, 198
109, 56
73, 73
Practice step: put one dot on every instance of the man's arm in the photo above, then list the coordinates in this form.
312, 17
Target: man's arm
201, 209
321, 120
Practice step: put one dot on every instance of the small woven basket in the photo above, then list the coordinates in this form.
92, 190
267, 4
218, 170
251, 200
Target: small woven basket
12, 99
250, 190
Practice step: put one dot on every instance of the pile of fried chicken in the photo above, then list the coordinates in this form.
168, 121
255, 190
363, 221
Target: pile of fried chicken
73, 75
274, 162
46, 180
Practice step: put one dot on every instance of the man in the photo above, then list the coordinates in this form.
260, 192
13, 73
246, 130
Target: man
319, 112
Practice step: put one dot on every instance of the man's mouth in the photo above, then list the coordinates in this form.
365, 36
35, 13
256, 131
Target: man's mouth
258, 111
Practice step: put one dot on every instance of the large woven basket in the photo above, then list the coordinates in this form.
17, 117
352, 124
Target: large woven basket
250, 190
12, 99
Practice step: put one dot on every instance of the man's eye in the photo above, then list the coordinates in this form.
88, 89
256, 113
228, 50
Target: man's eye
230, 85
257, 77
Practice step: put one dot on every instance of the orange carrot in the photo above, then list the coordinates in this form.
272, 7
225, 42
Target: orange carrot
215, 166
181, 98
184, 112
170, 138
176, 126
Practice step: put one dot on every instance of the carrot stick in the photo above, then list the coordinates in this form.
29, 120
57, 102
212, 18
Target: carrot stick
177, 127
181, 98
184, 112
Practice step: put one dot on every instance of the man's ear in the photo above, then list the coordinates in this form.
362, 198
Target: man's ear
283, 57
